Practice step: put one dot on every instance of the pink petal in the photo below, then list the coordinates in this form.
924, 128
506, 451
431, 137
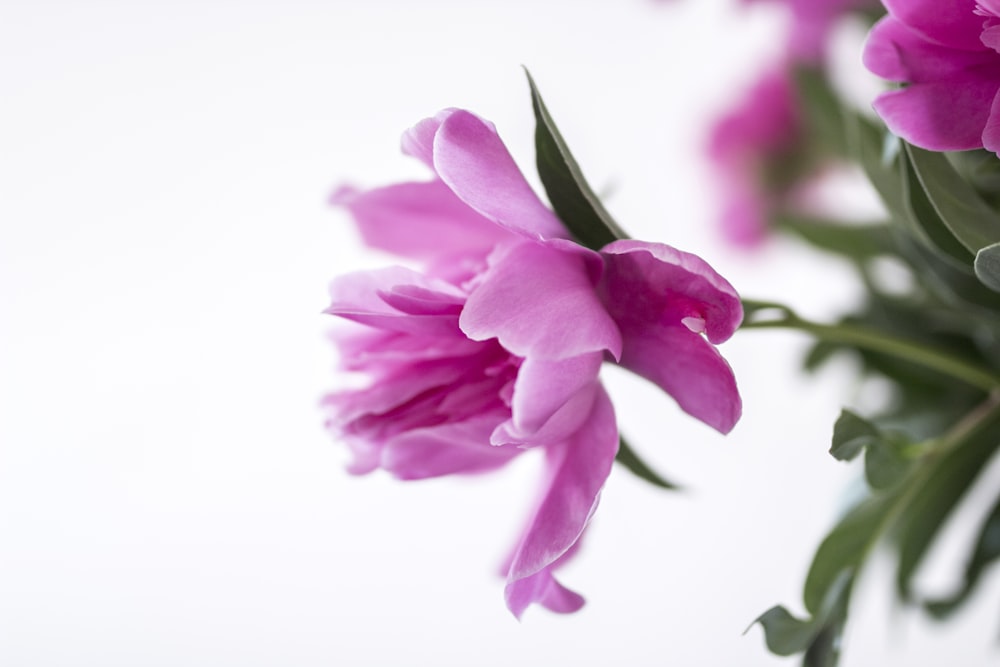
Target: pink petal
946, 116
951, 23
565, 420
646, 285
359, 297
544, 386
470, 157
688, 368
447, 448
539, 302
423, 221
576, 471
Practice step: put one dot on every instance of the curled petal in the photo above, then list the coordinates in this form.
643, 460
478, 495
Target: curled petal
576, 470
646, 285
470, 157
895, 52
543, 589
688, 368
540, 302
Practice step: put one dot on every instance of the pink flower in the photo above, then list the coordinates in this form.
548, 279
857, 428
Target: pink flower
948, 54
750, 147
495, 345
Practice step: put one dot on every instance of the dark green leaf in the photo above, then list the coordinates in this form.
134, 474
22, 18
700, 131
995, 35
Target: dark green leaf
986, 551
628, 458
851, 434
569, 193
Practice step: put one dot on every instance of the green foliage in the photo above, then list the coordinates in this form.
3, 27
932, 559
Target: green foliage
568, 191
627, 457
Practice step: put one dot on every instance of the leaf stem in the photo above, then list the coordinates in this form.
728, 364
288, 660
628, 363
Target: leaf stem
774, 316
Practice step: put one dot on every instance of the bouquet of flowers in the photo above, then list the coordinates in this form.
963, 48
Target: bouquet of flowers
487, 339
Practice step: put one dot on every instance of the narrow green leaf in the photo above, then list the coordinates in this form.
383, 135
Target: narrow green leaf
986, 551
844, 549
824, 113
851, 434
925, 222
854, 241
569, 193
868, 143
945, 481
957, 203
628, 458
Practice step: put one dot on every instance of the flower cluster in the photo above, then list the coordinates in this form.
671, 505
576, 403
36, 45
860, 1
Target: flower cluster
492, 345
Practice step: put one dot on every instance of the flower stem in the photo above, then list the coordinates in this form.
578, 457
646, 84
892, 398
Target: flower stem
775, 316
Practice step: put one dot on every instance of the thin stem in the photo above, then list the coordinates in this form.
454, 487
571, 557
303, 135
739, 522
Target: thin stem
876, 341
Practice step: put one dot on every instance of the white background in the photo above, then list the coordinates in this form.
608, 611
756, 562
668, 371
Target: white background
167, 493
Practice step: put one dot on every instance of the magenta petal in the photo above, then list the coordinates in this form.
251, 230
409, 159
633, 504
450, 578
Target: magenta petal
895, 52
424, 221
576, 471
947, 116
688, 368
470, 157
646, 285
952, 23
542, 588
539, 302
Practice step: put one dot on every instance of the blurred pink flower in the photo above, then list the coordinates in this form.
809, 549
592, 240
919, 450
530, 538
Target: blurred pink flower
749, 147
948, 55
494, 346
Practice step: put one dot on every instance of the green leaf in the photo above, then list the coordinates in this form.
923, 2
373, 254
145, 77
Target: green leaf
943, 480
868, 145
986, 551
851, 434
885, 461
924, 221
854, 241
957, 203
822, 109
987, 266
569, 193
784, 634
628, 458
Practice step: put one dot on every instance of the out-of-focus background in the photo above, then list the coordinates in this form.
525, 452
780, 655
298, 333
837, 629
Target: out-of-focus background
167, 493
